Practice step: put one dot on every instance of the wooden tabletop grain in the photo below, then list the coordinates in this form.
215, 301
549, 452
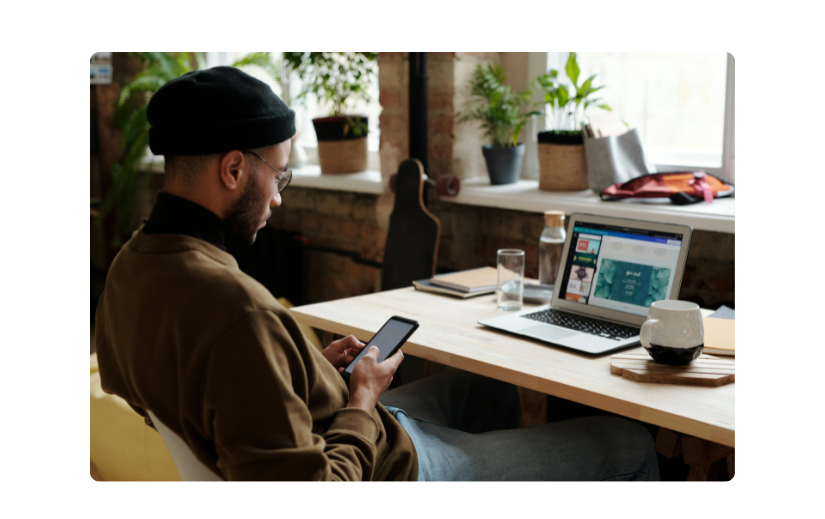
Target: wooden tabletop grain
449, 334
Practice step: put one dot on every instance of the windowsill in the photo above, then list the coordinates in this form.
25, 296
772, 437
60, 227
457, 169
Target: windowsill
363, 182
526, 196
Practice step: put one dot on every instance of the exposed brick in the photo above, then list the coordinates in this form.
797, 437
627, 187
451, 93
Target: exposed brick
400, 56
439, 167
389, 99
436, 101
440, 151
484, 55
440, 75
349, 229
310, 223
395, 123
393, 74
441, 125
435, 57
353, 271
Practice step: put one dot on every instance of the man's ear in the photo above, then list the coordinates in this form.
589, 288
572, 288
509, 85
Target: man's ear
234, 167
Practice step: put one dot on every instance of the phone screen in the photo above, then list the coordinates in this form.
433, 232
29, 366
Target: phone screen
388, 337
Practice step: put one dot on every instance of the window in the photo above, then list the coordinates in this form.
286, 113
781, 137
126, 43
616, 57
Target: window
681, 103
216, 59
305, 111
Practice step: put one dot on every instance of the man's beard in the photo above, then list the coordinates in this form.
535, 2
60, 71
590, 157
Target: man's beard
243, 216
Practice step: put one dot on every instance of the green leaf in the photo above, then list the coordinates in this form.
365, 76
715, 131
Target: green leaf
605, 107
572, 68
517, 131
563, 96
135, 125
585, 89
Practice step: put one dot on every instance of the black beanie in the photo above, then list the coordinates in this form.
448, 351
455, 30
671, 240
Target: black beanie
214, 111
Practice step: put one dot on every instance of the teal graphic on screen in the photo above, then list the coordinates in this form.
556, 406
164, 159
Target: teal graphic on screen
631, 283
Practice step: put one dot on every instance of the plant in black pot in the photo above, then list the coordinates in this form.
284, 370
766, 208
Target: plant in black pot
562, 164
502, 114
339, 80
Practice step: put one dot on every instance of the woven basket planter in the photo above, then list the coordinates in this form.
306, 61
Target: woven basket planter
347, 156
562, 164
339, 151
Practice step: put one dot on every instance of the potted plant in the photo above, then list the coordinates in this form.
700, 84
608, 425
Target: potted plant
562, 164
337, 79
501, 114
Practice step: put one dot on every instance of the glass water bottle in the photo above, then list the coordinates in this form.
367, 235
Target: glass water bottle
551, 244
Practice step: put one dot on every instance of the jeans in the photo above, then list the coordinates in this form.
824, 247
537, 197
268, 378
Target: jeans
465, 427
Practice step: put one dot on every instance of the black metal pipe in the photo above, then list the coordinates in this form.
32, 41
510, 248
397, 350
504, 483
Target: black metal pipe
418, 107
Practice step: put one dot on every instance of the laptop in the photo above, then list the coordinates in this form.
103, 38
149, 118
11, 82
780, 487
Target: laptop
611, 270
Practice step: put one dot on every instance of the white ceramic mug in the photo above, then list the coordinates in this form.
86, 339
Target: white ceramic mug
673, 333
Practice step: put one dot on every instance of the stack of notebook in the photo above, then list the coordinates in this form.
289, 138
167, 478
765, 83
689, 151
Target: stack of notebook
464, 284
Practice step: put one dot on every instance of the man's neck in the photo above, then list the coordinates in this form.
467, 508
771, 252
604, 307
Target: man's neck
202, 198
177, 215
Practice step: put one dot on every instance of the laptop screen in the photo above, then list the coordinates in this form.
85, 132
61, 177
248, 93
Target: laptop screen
619, 268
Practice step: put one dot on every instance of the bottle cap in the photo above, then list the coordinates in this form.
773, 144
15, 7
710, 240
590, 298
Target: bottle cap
554, 218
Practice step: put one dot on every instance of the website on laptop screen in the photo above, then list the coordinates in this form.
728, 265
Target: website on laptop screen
619, 268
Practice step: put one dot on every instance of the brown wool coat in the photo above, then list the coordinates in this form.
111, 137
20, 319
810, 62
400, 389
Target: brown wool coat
181, 331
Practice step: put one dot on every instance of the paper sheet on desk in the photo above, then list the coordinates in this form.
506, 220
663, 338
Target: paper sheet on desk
720, 332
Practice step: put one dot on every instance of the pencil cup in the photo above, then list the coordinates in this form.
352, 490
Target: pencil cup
510, 267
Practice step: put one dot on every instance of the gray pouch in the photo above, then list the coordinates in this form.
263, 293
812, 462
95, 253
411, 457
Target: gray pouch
615, 159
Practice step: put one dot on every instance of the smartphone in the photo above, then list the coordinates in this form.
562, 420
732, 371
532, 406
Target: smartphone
389, 340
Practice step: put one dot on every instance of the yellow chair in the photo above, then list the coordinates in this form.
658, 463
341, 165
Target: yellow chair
122, 447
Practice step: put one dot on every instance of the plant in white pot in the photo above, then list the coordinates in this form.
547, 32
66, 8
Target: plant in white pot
562, 164
338, 80
502, 114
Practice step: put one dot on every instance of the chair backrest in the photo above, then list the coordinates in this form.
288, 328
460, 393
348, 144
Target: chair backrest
189, 468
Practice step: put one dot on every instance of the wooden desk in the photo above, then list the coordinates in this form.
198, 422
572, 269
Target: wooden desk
449, 334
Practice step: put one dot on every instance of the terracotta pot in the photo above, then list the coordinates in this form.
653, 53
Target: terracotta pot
339, 149
562, 164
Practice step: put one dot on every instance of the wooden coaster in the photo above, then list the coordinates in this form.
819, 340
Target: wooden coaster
704, 371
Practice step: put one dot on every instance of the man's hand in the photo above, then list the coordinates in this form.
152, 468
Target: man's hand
370, 379
341, 352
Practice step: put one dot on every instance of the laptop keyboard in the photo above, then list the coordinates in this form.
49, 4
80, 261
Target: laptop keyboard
583, 324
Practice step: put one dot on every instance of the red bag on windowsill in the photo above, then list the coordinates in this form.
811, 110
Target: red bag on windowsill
683, 187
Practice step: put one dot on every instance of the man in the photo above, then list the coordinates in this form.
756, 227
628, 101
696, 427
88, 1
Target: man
183, 333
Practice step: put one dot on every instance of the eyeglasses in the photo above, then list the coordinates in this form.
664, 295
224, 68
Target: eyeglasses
283, 178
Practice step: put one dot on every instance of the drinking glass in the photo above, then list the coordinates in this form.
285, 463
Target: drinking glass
510, 267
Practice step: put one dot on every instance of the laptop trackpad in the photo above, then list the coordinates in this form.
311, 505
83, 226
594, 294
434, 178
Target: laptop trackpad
547, 333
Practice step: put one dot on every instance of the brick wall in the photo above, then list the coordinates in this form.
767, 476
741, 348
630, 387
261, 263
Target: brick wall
346, 234
393, 78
